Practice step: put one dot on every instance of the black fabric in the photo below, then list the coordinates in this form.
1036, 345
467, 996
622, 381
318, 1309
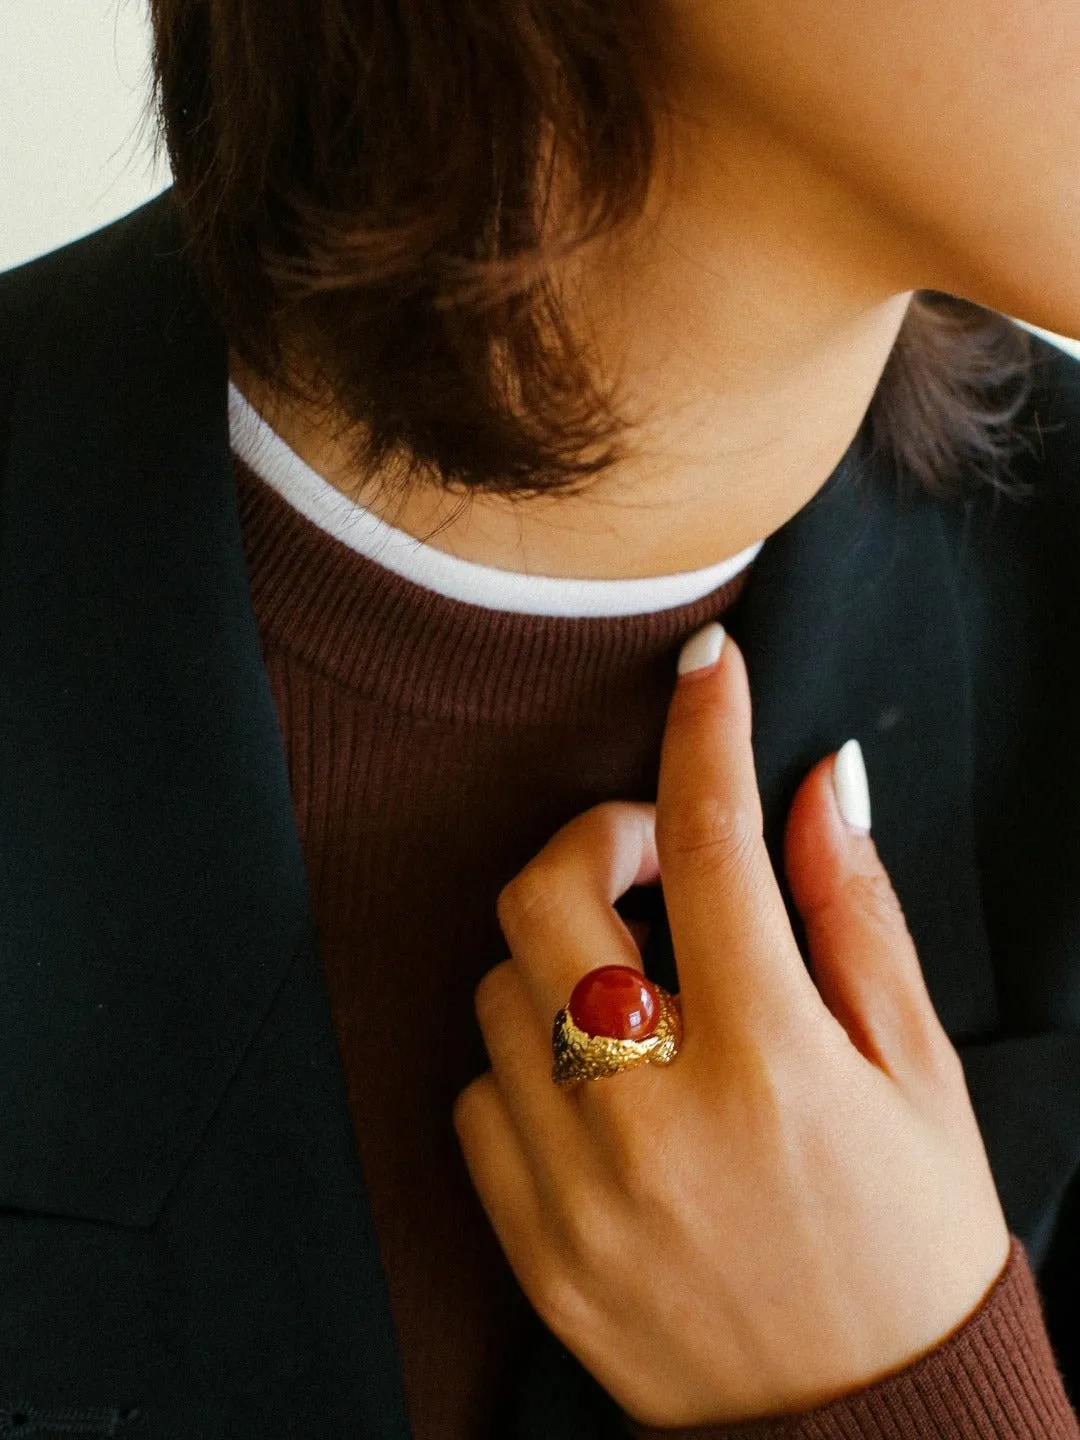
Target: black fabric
183, 1227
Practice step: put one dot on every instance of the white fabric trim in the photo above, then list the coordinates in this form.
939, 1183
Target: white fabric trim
265, 452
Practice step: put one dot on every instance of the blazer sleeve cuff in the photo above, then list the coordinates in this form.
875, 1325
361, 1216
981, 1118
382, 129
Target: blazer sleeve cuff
995, 1378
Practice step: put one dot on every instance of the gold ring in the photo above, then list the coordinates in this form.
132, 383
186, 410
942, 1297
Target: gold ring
645, 1018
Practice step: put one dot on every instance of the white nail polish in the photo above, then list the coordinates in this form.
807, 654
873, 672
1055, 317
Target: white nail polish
703, 648
852, 787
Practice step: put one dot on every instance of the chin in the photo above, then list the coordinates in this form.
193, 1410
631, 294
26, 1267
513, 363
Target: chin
1036, 284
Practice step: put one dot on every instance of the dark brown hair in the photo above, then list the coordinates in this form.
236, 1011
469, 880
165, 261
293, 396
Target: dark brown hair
365, 187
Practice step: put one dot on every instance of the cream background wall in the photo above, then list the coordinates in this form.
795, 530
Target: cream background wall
75, 143
73, 74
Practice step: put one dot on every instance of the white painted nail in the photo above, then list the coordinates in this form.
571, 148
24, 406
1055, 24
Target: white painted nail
703, 648
852, 787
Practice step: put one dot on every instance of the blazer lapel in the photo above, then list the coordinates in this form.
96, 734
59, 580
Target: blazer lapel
851, 629
155, 878
167, 1057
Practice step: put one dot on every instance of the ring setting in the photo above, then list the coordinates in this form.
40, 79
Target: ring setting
616, 1019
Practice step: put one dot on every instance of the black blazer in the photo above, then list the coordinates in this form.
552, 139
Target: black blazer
183, 1226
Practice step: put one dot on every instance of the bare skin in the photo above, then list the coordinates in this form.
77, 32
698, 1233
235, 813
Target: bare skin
752, 364
826, 160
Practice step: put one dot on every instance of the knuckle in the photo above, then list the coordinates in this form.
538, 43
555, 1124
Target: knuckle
872, 892
710, 833
493, 995
938, 1058
471, 1105
528, 898
948, 1062
558, 1300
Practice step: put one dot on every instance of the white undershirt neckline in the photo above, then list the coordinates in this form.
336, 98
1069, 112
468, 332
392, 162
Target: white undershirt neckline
275, 462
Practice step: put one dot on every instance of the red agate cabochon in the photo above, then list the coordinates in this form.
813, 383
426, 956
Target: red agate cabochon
616, 1001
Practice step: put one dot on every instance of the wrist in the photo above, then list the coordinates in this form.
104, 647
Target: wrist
994, 1376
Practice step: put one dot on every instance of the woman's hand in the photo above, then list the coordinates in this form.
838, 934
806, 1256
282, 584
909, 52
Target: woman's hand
799, 1203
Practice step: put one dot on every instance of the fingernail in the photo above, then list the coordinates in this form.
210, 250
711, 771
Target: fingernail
703, 648
852, 787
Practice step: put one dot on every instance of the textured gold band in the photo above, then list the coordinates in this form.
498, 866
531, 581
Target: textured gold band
579, 1056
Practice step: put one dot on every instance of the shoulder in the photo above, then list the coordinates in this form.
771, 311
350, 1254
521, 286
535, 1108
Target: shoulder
101, 331
72, 296
91, 260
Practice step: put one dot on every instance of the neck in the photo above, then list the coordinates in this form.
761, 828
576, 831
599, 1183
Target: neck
749, 314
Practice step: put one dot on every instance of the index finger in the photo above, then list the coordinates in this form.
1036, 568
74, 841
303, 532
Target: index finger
738, 962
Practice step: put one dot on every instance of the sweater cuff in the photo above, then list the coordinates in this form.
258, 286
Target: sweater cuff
995, 1378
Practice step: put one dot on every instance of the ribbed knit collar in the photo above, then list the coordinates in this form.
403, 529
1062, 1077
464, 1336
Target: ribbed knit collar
412, 650
260, 447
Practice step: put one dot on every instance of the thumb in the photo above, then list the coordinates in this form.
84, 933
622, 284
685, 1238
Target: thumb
862, 955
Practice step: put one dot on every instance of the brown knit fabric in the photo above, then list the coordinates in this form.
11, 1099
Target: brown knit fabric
433, 747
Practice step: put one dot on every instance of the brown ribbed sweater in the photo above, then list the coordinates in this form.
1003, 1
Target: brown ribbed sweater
433, 747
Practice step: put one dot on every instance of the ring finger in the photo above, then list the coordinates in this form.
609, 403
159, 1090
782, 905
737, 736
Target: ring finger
558, 914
